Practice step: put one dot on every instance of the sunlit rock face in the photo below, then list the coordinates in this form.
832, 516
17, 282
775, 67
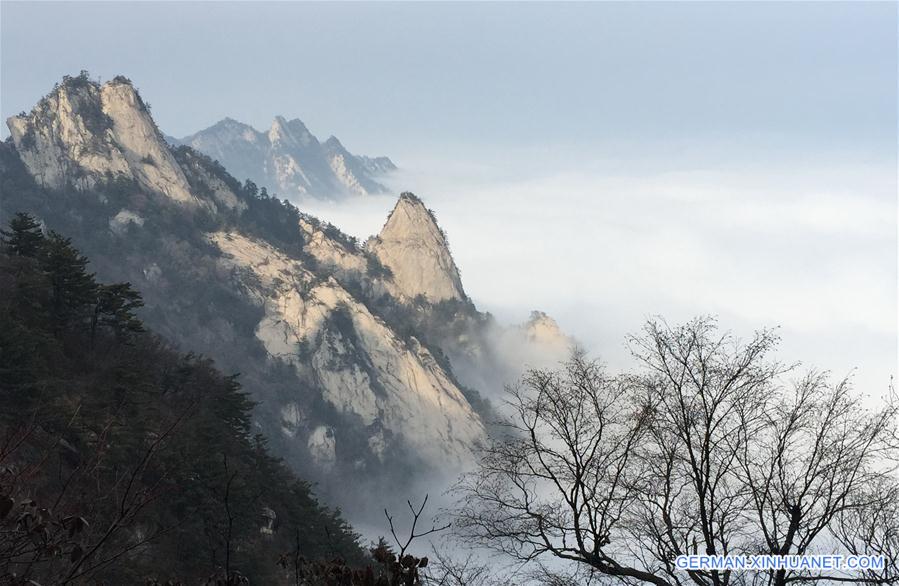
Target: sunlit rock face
545, 338
290, 161
340, 256
83, 133
323, 446
393, 385
414, 248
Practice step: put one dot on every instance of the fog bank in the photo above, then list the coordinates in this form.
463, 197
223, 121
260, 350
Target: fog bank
600, 248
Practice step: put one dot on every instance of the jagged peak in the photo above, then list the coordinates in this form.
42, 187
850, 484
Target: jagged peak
334, 146
383, 162
414, 247
291, 132
121, 80
542, 330
84, 131
228, 122
228, 129
279, 124
410, 197
84, 94
76, 82
287, 158
409, 208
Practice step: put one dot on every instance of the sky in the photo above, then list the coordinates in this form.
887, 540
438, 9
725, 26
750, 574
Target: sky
603, 162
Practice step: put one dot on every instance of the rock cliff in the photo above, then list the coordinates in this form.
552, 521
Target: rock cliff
393, 385
83, 133
414, 248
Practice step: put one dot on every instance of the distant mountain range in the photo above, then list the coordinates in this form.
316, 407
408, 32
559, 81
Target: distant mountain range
289, 160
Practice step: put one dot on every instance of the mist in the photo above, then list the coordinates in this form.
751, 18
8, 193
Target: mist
600, 247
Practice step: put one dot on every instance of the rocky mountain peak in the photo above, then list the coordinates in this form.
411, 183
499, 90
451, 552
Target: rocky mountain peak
334, 143
414, 248
289, 160
543, 330
233, 128
83, 132
291, 133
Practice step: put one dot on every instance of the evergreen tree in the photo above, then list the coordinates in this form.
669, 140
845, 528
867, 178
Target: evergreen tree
24, 237
115, 309
251, 189
73, 290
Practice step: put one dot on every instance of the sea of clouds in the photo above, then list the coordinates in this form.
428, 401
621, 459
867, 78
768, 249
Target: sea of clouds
811, 250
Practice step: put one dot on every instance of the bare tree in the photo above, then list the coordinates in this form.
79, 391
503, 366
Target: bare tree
872, 528
707, 449
563, 477
445, 570
402, 567
59, 537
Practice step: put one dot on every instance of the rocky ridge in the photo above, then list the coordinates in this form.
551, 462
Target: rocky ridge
290, 160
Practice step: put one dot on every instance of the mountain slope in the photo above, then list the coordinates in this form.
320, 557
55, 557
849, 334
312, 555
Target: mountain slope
139, 460
342, 391
393, 387
290, 160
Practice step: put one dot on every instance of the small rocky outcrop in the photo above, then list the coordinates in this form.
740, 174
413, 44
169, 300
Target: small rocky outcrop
543, 334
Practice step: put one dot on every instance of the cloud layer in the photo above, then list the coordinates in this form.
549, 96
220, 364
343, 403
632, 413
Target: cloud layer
810, 250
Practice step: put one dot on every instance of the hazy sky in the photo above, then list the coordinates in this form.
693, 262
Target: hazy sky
394, 77
603, 162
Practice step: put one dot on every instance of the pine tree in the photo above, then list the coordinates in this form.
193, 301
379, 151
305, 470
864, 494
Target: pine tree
24, 237
73, 290
115, 309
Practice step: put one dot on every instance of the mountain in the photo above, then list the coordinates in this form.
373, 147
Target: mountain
290, 160
83, 132
356, 356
